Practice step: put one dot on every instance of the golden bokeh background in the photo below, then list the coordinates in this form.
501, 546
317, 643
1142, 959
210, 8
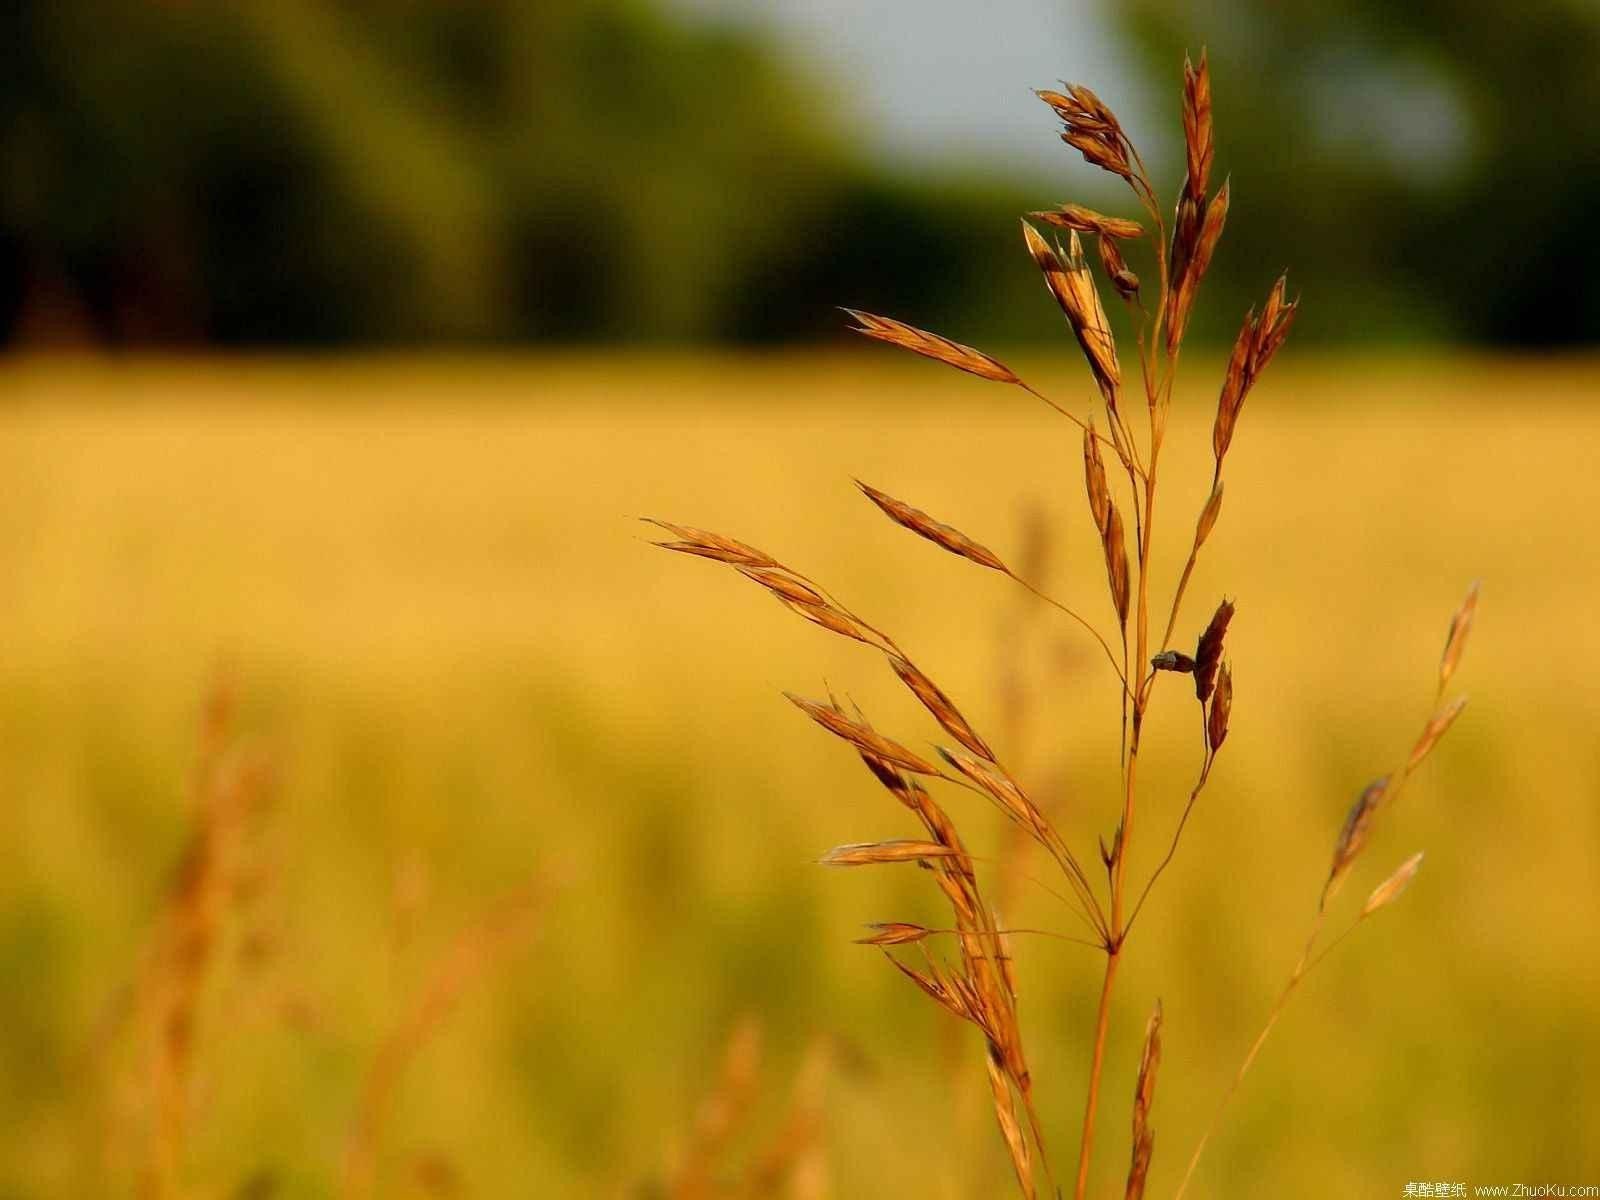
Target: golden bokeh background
447, 631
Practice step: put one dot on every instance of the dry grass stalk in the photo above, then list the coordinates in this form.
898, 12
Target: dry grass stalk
1354, 835
978, 986
477, 950
791, 1163
231, 786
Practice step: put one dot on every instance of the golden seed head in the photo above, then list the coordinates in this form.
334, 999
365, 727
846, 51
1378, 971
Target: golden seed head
940, 705
931, 345
862, 736
921, 524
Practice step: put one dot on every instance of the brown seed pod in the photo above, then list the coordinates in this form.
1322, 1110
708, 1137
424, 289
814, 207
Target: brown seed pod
940, 705
1354, 833
1208, 651
920, 523
931, 345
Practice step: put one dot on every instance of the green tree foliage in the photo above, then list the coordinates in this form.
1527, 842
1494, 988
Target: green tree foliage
1432, 163
318, 172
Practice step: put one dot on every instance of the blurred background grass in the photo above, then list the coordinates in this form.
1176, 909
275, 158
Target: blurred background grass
471, 667
499, 269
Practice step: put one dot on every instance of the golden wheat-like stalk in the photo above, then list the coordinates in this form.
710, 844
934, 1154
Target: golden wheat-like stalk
975, 982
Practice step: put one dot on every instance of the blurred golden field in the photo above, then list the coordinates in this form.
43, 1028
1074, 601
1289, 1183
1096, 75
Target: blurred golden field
450, 633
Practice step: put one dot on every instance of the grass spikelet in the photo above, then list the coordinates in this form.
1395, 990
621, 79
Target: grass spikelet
931, 345
1455, 641
1094, 481
1208, 516
786, 587
1258, 340
1221, 709
1208, 651
935, 987
940, 705
1091, 129
1144, 1094
1389, 890
1069, 280
1435, 729
1114, 544
937, 532
1195, 240
1353, 834
832, 619
712, 545
998, 785
872, 854
1117, 271
1005, 1109
1197, 138
1086, 220
864, 737
894, 933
